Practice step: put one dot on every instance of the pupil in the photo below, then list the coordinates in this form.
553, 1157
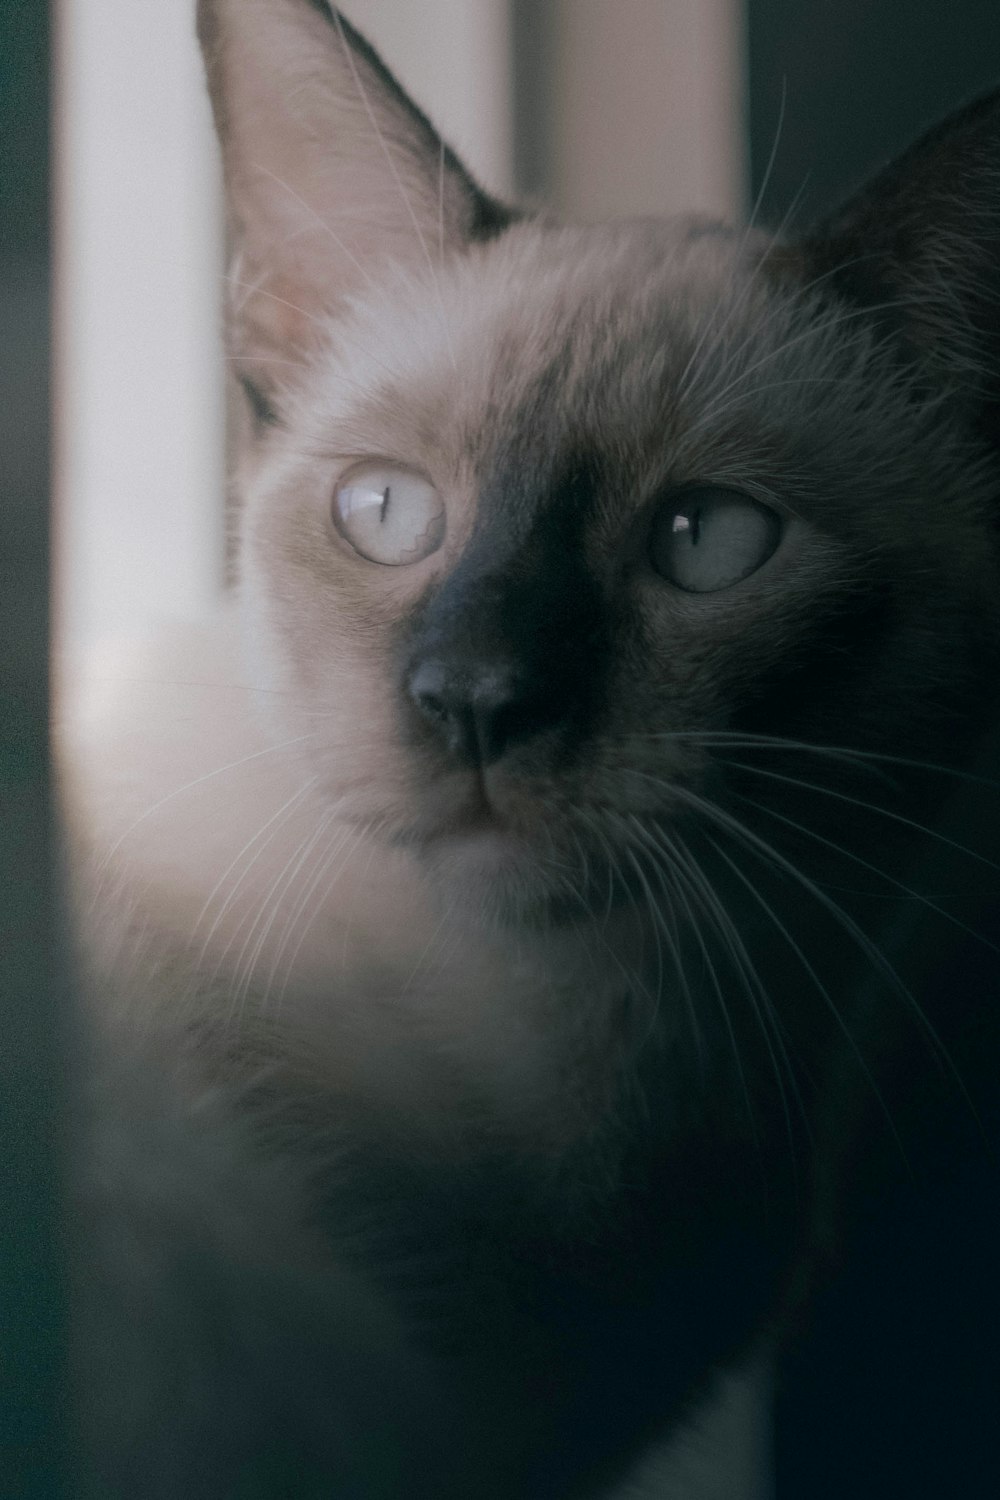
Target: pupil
384, 507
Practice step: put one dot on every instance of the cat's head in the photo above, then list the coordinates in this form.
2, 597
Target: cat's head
543, 526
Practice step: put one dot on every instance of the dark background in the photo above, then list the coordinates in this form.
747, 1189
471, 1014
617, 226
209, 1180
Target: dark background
860, 80
32, 1394
895, 1390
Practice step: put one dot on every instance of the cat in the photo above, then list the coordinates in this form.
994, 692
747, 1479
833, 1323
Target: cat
499, 922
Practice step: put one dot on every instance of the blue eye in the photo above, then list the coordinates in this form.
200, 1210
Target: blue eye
388, 514
710, 539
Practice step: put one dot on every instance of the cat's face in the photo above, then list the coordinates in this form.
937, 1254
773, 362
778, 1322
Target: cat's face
535, 517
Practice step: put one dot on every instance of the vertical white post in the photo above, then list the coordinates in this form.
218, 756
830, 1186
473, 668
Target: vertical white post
138, 400
649, 107
453, 56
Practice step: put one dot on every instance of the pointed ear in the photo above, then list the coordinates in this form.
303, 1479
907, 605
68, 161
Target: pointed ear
920, 247
330, 171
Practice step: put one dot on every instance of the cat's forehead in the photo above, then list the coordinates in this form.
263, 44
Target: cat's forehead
658, 352
548, 337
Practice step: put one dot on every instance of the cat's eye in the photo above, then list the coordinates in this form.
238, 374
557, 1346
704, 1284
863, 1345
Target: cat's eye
388, 514
711, 538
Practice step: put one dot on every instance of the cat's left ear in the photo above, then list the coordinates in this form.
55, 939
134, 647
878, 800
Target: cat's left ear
331, 172
920, 248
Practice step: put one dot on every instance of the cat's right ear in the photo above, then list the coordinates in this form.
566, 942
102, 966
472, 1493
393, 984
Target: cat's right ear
331, 173
918, 251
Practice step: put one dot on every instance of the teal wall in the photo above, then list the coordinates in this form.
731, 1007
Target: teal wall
861, 79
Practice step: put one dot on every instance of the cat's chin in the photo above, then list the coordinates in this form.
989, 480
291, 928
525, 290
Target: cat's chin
494, 876
502, 873
491, 876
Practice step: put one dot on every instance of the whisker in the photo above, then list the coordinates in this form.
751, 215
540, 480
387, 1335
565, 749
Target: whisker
714, 909
302, 901
315, 883
772, 157
424, 954
198, 781
757, 994
326, 228
672, 894
686, 378
654, 914
615, 871
867, 865
276, 896
873, 807
441, 199
276, 818
813, 330
743, 740
256, 290
828, 999
391, 163
770, 854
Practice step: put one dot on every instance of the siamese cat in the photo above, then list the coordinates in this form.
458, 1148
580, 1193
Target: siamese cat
508, 921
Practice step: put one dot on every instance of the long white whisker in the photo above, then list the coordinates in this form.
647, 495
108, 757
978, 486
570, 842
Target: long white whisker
759, 999
293, 869
771, 855
198, 781
813, 330
343, 379
672, 894
615, 871
276, 818
326, 228
305, 895
772, 158
256, 290
906, 890
685, 380
651, 903
314, 885
391, 163
810, 970
874, 807
743, 740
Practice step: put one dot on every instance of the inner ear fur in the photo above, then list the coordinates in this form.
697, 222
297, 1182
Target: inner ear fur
331, 172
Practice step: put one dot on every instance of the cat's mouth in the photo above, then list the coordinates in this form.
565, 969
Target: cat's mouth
498, 849
475, 835
453, 813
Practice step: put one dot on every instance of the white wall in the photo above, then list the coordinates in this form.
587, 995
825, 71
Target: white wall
138, 398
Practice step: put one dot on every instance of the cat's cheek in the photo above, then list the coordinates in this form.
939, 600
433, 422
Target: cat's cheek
714, 652
322, 696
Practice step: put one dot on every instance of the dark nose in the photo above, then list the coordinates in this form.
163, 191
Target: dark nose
478, 711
